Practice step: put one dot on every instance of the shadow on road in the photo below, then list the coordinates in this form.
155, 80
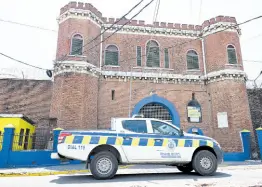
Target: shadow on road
78, 179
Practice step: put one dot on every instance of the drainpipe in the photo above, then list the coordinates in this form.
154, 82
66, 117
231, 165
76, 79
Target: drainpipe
210, 106
101, 49
130, 91
204, 57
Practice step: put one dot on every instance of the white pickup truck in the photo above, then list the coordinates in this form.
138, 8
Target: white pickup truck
139, 141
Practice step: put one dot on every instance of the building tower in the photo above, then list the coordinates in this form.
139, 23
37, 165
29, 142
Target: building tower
76, 69
226, 81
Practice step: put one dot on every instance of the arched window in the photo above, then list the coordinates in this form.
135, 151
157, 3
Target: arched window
231, 54
111, 55
192, 60
77, 45
152, 53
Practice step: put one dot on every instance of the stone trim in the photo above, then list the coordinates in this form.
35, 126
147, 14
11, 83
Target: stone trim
231, 27
87, 68
228, 74
145, 30
76, 67
177, 78
80, 14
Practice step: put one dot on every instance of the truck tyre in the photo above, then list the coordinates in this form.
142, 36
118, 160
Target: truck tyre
205, 163
104, 165
185, 168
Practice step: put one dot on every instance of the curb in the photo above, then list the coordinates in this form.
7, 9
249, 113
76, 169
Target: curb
47, 173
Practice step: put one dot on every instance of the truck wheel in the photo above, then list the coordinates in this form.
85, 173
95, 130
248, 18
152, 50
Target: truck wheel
185, 168
104, 165
205, 163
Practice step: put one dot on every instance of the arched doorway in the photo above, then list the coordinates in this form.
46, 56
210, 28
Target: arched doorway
157, 107
155, 110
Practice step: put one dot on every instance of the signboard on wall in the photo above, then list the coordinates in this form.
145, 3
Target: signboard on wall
194, 114
222, 120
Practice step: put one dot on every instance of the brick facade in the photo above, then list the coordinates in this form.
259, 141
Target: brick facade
29, 97
82, 88
84, 81
74, 104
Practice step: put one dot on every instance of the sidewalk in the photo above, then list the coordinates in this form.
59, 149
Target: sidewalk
80, 169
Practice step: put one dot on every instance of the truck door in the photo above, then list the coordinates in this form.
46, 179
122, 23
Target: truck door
137, 146
173, 147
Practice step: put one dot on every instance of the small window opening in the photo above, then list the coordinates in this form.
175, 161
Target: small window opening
113, 94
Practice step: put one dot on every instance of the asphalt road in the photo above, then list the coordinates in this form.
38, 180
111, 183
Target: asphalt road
228, 176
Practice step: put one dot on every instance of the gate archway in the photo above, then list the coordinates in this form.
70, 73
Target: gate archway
157, 107
155, 110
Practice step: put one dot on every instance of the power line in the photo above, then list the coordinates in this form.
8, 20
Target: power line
191, 9
154, 20
120, 27
253, 61
200, 11
131, 68
123, 17
198, 38
32, 26
21, 61
98, 36
251, 38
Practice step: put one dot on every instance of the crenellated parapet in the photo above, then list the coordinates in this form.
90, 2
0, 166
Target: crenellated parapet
80, 10
80, 6
220, 23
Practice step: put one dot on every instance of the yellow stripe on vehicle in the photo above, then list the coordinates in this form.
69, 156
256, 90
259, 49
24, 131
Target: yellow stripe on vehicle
150, 142
135, 142
86, 140
210, 143
119, 141
181, 143
195, 143
69, 139
102, 140
165, 142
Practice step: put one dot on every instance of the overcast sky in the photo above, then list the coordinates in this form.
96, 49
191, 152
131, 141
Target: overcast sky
38, 47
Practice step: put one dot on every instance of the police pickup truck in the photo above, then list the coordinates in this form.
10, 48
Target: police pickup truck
139, 141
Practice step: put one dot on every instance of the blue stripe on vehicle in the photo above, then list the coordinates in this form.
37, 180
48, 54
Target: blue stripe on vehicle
111, 140
188, 143
78, 139
176, 141
127, 142
202, 143
137, 135
94, 140
143, 142
159, 142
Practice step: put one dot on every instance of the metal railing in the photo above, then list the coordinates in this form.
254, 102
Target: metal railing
29, 142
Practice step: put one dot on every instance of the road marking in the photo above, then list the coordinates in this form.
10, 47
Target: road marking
47, 173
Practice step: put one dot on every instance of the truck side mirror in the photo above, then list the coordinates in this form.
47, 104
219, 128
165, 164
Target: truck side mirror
181, 132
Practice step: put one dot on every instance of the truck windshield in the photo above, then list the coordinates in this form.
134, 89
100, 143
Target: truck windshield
163, 128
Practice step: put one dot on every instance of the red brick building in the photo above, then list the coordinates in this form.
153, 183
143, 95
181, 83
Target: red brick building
191, 75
